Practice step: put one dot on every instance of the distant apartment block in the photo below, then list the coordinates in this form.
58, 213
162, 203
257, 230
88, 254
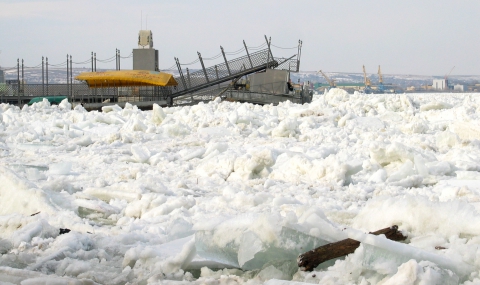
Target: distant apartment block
440, 84
459, 87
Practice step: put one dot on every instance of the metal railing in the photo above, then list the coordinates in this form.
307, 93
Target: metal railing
19, 94
296, 96
290, 64
81, 93
206, 77
268, 93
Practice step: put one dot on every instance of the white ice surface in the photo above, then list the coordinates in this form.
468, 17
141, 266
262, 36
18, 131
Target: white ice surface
135, 186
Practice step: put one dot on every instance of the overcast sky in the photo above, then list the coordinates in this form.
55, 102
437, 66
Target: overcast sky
426, 37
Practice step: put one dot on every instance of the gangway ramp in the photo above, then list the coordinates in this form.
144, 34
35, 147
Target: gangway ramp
203, 78
193, 83
212, 86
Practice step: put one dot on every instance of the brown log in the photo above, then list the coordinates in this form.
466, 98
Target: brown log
311, 259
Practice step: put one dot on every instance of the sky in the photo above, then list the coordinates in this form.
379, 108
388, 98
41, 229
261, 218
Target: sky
427, 37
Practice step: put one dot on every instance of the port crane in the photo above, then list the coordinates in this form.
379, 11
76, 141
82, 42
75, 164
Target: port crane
446, 77
331, 82
367, 81
381, 87
380, 77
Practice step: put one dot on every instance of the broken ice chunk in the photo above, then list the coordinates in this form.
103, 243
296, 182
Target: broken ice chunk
424, 272
279, 269
249, 246
33, 174
284, 282
60, 168
253, 253
209, 249
403, 172
140, 153
383, 254
5, 246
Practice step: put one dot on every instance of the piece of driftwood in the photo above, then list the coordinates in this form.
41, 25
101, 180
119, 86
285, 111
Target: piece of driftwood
64, 231
311, 259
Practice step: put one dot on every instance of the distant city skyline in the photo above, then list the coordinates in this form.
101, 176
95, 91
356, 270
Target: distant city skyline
404, 37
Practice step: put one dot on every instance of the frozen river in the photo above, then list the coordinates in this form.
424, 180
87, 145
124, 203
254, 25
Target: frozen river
230, 193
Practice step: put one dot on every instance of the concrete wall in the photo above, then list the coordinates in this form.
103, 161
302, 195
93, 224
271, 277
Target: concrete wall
145, 59
272, 81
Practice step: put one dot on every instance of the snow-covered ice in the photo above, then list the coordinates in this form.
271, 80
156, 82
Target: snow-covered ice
231, 193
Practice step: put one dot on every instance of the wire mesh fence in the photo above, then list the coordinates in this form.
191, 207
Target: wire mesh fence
206, 94
220, 72
288, 64
243, 91
20, 94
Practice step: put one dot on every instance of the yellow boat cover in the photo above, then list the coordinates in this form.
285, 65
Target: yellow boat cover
121, 78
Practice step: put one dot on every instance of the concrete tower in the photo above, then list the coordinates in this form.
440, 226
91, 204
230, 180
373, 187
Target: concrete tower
145, 57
